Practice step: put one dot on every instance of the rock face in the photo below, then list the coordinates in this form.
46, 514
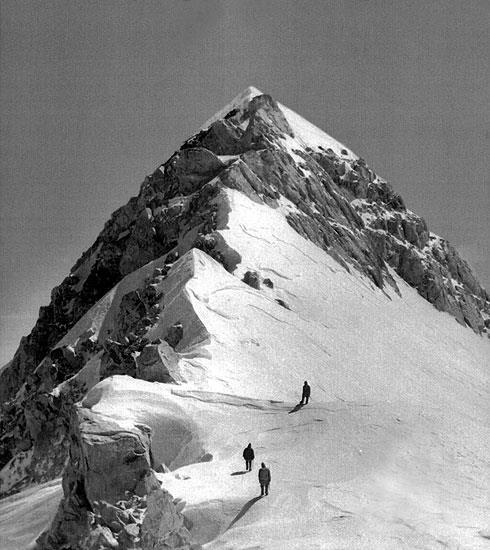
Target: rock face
111, 496
157, 363
163, 527
331, 198
175, 334
345, 208
251, 278
426, 262
107, 461
402, 240
174, 197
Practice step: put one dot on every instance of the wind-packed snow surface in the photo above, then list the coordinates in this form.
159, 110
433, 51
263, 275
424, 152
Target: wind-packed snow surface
392, 450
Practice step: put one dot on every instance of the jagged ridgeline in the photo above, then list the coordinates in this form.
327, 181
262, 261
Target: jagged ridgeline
260, 148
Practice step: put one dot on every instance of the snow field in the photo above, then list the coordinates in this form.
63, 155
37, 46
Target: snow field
391, 450
390, 453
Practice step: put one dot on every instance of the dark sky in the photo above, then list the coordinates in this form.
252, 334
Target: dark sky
94, 95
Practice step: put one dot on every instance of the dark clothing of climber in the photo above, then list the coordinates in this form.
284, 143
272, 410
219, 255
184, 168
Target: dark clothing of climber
306, 393
264, 480
248, 455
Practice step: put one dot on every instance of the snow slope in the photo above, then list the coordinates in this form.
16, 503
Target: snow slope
24, 515
391, 452
310, 135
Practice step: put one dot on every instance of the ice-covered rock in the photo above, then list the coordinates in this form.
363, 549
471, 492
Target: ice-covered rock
163, 527
111, 498
158, 363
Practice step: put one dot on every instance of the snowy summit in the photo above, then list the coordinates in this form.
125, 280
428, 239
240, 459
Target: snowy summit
262, 254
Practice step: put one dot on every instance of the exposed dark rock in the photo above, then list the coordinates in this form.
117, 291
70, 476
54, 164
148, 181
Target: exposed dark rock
157, 363
189, 169
175, 333
223, 138
66, 362
215, 246
266, 122
268, 283
172, 257
251, 278
117, 359
239, 176
211, 245
429, 264
38, 421
163, 527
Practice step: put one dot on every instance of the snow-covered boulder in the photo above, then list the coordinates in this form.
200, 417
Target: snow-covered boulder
158, 363
111, 498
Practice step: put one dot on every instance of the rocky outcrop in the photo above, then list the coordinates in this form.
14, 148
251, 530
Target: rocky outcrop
267, 171
37, 422
426, 262
175, 333
111, 498
37, 419
251, 278
158, 363
172, 201
402, 240
163, 526
106, 461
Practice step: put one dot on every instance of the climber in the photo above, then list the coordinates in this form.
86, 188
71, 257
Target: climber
264, 480
248, 455
306, 394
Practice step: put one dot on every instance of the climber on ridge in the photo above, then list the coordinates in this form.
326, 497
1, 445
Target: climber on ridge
306, 394
264, 480
248, 455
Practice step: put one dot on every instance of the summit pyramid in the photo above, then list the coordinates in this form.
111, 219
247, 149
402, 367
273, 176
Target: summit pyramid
261, 254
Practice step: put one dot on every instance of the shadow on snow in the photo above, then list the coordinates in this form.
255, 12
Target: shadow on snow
297, 408
246, 507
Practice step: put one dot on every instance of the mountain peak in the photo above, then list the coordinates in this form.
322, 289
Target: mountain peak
240, 101
251, 91
262, 253
307, 134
